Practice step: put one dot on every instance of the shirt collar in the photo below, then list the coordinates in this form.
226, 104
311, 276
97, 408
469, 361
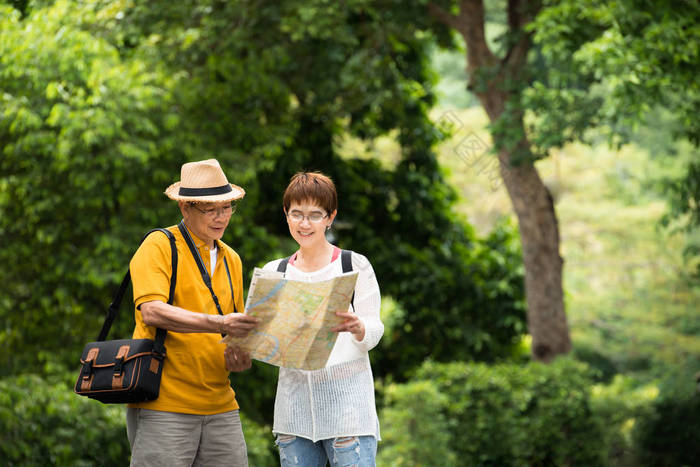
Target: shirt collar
198, 242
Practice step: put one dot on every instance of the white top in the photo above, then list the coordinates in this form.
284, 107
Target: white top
337, 400
212, 258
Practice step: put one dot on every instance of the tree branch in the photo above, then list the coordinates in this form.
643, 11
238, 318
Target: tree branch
470, 24
473, 30
448, 19
520, 13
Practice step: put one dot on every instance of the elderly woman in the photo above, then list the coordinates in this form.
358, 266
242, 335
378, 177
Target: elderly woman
328, 414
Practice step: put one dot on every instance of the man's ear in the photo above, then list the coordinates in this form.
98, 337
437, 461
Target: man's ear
183, 207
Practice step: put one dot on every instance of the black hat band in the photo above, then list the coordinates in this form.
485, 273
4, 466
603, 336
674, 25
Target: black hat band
219, 190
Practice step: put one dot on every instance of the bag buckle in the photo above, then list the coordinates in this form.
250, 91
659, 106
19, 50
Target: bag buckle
118, 376
86, 380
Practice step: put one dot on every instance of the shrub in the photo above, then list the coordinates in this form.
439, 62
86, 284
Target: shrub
670, 436
416, 432
620, 405
505, 414
44, 423
260, 442
604, 366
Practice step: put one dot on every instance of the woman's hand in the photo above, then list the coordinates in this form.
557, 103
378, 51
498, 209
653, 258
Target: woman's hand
236, 359
351, 324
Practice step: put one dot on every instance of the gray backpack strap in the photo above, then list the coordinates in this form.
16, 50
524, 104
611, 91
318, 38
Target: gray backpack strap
346, 260
282, 266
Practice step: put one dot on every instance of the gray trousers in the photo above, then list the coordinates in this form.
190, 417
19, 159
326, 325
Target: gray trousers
175, 439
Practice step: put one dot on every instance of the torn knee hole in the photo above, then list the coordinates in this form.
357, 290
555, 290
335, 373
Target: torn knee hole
285, 439
345, 442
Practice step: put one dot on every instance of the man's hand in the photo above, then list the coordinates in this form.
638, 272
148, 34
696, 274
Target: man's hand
351, 324
162, 315
236, 359
237, 324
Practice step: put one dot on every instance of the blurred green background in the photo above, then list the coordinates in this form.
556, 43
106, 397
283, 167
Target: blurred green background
102, 101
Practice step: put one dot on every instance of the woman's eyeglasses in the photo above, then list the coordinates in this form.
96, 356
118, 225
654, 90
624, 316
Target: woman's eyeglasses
314, 217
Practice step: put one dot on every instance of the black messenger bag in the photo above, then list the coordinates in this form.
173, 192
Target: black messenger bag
126, 370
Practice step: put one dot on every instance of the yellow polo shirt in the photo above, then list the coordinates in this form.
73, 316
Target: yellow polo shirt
194, 379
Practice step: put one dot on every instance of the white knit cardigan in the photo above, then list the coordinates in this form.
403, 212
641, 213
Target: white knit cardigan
337, 400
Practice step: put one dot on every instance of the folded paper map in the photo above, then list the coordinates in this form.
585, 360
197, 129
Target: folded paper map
296, 318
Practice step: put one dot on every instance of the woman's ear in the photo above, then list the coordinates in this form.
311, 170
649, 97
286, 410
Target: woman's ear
332, 215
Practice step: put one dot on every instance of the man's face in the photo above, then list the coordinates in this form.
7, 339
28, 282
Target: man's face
208, 221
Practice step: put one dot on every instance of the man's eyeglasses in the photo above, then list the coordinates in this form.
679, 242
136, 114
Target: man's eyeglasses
314, 217
213, 213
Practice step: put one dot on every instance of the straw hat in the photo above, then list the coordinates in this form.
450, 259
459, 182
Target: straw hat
204, 182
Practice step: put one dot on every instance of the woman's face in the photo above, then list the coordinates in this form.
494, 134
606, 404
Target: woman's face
307, 223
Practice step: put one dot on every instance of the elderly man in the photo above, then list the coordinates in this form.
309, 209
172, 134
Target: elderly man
194, 420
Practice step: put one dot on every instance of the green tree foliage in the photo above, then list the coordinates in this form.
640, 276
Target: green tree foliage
591, 63
19, 5
78, 132
103, 101
685, 210
495, 415
499, 69
613, 65
400, 218
640, 53
346, 71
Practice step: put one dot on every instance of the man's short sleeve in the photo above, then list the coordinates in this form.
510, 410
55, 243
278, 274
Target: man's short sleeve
151, 269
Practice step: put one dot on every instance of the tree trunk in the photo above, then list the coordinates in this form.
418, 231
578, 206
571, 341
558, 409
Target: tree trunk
539, 234
532, 202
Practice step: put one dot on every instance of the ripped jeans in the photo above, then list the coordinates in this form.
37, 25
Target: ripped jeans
359, 451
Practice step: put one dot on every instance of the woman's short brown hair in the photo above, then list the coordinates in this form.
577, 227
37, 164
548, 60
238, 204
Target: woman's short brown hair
311, 187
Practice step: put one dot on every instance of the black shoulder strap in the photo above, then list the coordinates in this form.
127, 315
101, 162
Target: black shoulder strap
282, 265
230, 284
119, 295
346, 263
203, 270
346, 260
